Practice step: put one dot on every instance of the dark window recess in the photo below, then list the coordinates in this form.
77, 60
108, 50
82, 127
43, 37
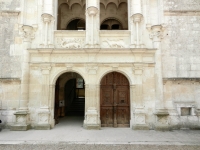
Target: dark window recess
185, 111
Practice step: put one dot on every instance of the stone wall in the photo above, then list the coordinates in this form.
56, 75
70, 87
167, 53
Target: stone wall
9, 4
9, 99
10, 48
180, 95
182, 5
180, 47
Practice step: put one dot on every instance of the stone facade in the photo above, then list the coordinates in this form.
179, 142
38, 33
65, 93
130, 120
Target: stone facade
153, 43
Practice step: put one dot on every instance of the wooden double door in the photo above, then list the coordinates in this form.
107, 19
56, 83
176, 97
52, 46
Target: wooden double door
115, 101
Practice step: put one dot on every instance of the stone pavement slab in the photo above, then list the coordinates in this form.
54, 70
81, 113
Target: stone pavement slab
71, 135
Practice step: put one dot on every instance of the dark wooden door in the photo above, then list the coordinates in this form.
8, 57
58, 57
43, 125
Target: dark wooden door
56, 106
115, 101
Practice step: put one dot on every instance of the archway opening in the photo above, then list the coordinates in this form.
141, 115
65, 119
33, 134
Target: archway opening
115, 100
69, 97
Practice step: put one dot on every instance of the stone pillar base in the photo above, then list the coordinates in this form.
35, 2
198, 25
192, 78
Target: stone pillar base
162, 123
140, 127
21, 122
92, 126
20, 127
91, 121
42, 127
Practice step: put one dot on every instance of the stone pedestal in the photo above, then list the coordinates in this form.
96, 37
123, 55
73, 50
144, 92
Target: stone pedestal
21, 123
92, 119
43, 120
162, 122
140, 120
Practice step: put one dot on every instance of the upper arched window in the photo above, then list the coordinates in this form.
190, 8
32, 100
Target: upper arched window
71, 15
113, 15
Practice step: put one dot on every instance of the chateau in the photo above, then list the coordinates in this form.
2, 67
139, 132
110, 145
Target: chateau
118, 63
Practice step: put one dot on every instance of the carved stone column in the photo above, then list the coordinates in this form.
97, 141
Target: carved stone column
160, 111
22, 118
92, 24
47, 43
44, 112
92, 116
139, 115
135, 35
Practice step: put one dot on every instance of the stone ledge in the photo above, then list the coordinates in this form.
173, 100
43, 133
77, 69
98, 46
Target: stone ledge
92, 126
140, 127
19, 127
42, 127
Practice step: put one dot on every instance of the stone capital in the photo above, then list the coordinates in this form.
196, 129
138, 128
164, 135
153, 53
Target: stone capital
137, 17
92, 11
47, 18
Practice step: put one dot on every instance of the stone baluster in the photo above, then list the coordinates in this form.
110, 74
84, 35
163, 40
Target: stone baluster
161, 112
92, 24
136, 16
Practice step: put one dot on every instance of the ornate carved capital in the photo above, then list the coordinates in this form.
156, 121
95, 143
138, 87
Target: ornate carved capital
92, 11
47, 18
137, 17
27, 32
156, 33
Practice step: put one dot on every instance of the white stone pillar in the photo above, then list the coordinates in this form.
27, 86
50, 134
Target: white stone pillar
92, 115
22, 122
139, 115
92, 23
48, 7
136, 17
44, 112
160, 111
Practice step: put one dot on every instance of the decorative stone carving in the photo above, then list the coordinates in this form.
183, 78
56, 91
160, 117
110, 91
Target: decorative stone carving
27, 32
69, 43
116, 43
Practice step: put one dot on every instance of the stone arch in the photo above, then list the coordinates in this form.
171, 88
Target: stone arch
109, 71
75, 18
58, 73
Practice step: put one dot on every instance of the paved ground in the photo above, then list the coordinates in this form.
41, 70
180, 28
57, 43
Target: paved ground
69, 134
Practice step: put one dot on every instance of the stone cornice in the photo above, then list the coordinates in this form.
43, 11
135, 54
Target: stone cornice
9, 13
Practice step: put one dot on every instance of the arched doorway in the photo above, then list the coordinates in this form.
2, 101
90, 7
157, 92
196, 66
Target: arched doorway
69, 96
115, 101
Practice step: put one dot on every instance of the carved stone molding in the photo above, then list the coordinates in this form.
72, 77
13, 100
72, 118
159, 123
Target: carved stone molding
68, 43
115, 43
137, 69
92, 69
45, 69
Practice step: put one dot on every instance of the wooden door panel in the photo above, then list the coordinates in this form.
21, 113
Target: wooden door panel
115, 101
106, 96
123, 116
122, 96
107, 116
